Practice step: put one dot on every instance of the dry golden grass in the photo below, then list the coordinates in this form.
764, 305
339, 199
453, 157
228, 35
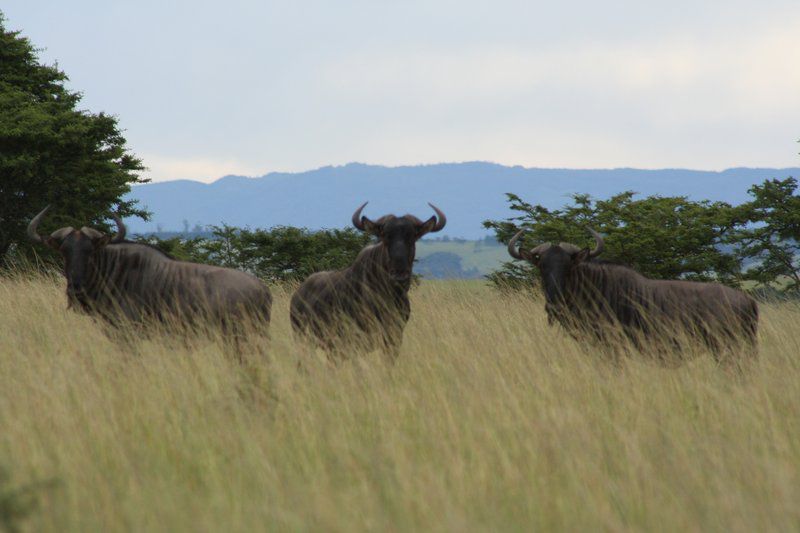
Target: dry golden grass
490, 420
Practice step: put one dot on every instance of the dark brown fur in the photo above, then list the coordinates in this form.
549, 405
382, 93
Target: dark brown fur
137, 282
118, 279
594, 299
598, 294
365, 305
360, 301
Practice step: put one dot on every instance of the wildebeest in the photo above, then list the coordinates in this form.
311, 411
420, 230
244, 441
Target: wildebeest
367, 303
590, 297
118, 279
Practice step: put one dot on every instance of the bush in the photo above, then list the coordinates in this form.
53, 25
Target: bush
282, 253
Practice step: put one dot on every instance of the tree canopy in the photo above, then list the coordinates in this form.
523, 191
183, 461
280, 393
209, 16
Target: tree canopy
52, 152
768, 234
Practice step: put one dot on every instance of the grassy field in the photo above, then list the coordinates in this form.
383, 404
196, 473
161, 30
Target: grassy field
490, 420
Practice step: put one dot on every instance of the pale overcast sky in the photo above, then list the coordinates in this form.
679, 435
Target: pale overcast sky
205, 89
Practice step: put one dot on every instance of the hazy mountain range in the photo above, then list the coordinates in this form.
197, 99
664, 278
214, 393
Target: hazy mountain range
469, 193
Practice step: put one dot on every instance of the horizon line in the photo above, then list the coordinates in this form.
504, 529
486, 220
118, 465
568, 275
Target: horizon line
446, 163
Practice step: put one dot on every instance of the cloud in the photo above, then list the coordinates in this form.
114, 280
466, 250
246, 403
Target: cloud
755, 71
705, 100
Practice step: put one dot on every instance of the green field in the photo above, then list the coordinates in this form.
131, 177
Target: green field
474, 254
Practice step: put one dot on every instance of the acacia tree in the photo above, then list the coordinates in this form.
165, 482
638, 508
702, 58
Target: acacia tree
768, 234
661, 237
52, 152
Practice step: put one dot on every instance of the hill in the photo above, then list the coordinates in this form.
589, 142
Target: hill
468, 193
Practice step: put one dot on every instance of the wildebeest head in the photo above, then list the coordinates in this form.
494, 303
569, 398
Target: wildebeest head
77, 248
555, 262
399, 236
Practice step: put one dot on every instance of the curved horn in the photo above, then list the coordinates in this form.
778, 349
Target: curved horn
441, 220
357, 221
32, 233
120, 236
599, 243
512, 246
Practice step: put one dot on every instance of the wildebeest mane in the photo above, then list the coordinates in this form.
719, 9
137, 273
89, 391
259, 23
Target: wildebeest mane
385, 218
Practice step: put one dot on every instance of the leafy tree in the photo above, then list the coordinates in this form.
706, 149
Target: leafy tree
226, 248
661, 237
288, 253
768, 234
51, 152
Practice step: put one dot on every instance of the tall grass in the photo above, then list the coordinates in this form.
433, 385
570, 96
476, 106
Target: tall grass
490, 419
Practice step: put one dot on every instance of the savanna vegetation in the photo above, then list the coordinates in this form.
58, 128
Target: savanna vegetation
490, 419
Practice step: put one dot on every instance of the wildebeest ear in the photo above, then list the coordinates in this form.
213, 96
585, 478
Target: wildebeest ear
426, 227
57, 237
101, 241
371, 227
529, 256
581, 256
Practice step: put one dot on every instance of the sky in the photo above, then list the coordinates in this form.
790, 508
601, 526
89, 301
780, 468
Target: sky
204, 89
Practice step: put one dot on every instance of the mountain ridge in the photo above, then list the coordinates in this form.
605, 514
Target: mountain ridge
468, 192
